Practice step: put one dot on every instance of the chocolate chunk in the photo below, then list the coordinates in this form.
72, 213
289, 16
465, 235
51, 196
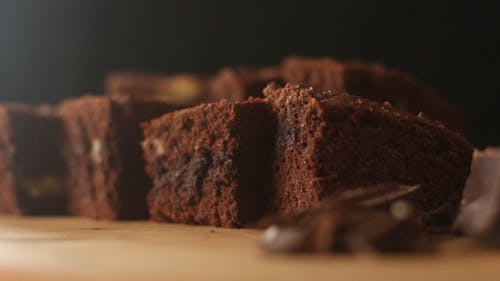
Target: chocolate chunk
371, 219
479, 215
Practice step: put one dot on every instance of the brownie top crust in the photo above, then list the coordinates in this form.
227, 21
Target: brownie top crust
373, 81
346, 103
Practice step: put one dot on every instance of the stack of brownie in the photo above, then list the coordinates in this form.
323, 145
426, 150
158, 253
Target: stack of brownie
291, 150
227, 150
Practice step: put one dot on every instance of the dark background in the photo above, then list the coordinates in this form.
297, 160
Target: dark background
53, 49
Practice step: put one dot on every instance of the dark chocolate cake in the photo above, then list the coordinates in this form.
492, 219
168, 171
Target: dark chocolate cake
31, 164
106, 170
372, 81
210, 163
328, 142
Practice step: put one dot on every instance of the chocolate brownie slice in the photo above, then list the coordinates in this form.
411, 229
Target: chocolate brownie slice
31, 164
180, 89
210, 164
372, 81
328, 142
238, 84
106, 170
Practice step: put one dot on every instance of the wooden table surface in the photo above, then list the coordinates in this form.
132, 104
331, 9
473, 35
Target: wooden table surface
51, 248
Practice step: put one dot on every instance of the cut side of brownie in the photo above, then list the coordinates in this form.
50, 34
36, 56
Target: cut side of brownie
180, 89
328, 142
31, 164
106, 170
372, 81
210, 164
238, 84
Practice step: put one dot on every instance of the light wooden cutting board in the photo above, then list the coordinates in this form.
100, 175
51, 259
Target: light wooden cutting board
64, 249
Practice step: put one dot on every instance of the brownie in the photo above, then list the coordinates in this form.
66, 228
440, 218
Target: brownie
239, 83
210, 164
372, 81
106, 170
31, 163
328, 142
180, 89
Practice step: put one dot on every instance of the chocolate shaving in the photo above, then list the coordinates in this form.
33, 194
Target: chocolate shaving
479, 215
376, 195
376, 218
438, 220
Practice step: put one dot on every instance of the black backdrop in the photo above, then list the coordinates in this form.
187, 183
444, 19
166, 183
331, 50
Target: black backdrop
53, 49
